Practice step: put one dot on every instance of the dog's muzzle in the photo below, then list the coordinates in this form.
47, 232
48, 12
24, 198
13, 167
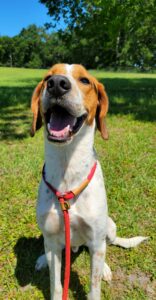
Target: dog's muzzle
61, 125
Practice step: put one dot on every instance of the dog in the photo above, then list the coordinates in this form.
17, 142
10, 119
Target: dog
71, 104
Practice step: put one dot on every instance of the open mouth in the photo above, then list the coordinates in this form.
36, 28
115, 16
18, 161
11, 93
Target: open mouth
61, 125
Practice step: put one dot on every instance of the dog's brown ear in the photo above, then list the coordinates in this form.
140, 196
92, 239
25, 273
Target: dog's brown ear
35, 108
102, 111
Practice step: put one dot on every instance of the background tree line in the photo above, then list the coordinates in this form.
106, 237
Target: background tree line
98, 33
32, 48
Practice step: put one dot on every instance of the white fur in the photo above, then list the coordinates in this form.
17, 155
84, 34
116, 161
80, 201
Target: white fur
66, 167
69, 69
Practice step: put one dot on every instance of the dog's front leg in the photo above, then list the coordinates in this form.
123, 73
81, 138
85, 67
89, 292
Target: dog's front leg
97, 253
53, 253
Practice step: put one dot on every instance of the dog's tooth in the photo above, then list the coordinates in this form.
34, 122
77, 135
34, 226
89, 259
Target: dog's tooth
48, 125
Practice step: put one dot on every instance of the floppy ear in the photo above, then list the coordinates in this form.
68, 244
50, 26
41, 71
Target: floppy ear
35, 108
102, 111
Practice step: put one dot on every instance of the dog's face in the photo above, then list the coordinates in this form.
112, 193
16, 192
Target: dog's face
67, 99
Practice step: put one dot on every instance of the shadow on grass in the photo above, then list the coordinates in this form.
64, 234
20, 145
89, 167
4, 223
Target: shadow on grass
126, 96
27, 250
15, 116
132, 96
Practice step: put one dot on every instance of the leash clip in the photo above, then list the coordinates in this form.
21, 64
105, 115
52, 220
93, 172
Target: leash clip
65, 205
63, 199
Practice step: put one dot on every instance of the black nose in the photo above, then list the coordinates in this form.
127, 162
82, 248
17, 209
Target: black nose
58, 85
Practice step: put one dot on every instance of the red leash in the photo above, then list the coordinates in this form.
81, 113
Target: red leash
63, 200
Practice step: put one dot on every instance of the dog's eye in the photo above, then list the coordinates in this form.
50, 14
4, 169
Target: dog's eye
85, 80
47, 77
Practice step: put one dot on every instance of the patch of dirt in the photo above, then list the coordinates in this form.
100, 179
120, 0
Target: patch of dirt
139, 279
133, 280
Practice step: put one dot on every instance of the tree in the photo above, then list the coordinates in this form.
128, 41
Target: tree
32, 40
30, 49
116, 32
7, 50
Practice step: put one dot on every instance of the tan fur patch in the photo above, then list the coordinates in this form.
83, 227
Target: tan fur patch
58, 69
89, 91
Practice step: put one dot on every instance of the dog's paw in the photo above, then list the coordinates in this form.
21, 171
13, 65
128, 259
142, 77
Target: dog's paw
107, 274
75, 249
41, 263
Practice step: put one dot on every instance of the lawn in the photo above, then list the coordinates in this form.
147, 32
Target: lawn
128, 162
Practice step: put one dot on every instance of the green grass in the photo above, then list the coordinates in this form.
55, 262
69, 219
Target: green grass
128, 162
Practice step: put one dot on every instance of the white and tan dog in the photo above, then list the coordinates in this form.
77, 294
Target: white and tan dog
70, 102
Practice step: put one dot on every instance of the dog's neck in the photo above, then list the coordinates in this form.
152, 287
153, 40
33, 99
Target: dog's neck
68, 165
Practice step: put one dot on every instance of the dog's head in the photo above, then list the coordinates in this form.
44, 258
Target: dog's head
67, 99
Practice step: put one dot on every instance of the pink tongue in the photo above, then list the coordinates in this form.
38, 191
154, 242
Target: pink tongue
61, 133
60, 124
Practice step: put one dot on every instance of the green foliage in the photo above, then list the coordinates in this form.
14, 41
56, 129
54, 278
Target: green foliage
128, 163
7, 48
117, 32
35, 48
32, 48
35, 61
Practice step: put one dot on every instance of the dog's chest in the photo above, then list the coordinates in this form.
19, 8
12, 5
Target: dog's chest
51, 222
87, 213
82, 216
